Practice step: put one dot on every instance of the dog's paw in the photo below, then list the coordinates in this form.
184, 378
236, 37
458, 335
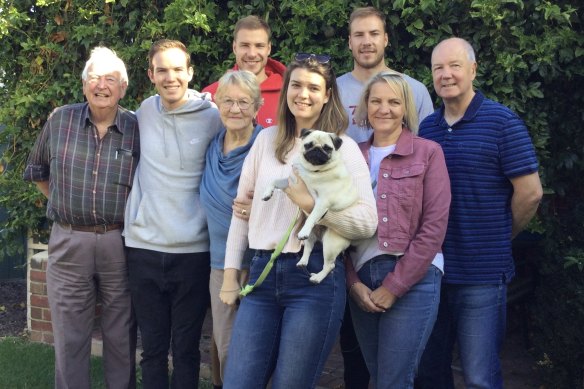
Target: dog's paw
268, 194
302, 263
316, 278
303, 234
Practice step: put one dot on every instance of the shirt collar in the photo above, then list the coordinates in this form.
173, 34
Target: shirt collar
470, 112
116, 124
403, 146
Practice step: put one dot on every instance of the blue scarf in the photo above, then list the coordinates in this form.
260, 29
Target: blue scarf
219, 188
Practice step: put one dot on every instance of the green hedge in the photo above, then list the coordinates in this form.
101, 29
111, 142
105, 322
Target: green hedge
530, 56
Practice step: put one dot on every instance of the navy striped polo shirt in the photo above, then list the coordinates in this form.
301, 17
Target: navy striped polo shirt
487, 147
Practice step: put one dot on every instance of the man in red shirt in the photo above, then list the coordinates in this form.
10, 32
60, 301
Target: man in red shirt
252, 47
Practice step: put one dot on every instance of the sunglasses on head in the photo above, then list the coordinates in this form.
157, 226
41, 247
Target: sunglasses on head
322, 59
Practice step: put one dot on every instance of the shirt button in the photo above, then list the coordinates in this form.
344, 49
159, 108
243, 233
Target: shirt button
383, 196
449, 129
93, 192
385, 175
384, 219
385, 244
94, 172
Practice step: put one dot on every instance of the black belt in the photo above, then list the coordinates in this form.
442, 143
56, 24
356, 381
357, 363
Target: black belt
97, 229
388, 256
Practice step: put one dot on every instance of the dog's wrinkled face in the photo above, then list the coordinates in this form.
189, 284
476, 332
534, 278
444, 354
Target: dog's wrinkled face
319, 146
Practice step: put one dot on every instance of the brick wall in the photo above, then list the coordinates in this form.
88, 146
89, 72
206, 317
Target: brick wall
39, 314
39, 322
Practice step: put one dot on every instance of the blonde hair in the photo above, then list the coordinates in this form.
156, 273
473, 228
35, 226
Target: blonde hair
365, 12
244, 79
333, 117
399, 86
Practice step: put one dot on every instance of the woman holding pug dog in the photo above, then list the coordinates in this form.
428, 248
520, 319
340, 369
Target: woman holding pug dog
394, 277
287, 326
238, 98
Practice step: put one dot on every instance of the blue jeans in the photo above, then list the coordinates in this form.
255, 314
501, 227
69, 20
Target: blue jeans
286, 327
170, 295
474, 316
392, 342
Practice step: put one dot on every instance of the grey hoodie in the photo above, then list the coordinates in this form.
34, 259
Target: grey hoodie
163, 212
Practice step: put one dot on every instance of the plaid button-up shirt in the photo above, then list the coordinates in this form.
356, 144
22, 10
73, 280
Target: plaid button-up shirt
89, 178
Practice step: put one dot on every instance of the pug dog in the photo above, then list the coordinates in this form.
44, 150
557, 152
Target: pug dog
322, 169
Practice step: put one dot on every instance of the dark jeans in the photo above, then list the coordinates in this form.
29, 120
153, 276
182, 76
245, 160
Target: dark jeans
356, 375
170, 294
286, 328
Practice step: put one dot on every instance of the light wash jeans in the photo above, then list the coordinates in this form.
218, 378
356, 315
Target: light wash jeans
392, 342
286, 327
474, 316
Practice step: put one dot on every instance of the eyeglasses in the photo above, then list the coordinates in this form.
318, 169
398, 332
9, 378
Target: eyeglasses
322, 59
242, 104
109, 80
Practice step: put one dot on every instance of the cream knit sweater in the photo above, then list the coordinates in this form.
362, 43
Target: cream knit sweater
270, 219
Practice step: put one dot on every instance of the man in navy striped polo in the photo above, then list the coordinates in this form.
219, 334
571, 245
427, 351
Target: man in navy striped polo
495, 192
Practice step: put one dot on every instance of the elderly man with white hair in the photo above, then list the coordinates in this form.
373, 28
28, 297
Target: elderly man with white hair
84, 162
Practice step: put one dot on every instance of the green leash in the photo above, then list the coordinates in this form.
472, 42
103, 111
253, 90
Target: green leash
249, 287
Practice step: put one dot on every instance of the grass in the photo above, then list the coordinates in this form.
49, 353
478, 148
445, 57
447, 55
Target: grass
28, 365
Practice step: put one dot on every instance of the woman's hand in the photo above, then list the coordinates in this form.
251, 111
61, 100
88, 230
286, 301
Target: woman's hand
242, 206
383, 298
361, 294
229, 293
298, 192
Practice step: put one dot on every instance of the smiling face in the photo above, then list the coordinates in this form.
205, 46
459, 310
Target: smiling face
102, 87
252, 49
367, 42
171, 75
452, 71
385, 112
234, 118
306, 96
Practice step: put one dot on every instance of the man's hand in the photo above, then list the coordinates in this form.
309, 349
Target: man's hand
527, 193
242, 206
43, 187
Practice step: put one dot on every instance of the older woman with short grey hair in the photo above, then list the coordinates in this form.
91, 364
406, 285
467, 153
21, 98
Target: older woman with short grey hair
238, 98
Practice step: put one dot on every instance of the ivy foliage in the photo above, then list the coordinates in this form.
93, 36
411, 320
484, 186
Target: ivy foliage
530, 55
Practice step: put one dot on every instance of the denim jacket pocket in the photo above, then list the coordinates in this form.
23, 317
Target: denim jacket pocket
406, 183
408, 179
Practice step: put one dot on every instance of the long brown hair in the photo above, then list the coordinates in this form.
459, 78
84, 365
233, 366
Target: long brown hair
333, 117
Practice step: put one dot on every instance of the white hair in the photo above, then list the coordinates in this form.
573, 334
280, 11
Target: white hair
104, 60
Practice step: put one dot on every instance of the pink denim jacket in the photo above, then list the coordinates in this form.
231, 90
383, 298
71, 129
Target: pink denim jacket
413, 202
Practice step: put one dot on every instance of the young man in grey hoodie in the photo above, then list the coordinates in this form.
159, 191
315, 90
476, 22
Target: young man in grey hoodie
165, 228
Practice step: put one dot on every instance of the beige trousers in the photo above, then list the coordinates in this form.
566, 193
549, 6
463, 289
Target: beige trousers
223, 315
81, 266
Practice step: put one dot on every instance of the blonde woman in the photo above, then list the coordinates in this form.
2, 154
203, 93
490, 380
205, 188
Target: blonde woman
394, 277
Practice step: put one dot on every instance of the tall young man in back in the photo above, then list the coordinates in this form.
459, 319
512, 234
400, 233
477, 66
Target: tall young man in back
368, 40
165, 226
